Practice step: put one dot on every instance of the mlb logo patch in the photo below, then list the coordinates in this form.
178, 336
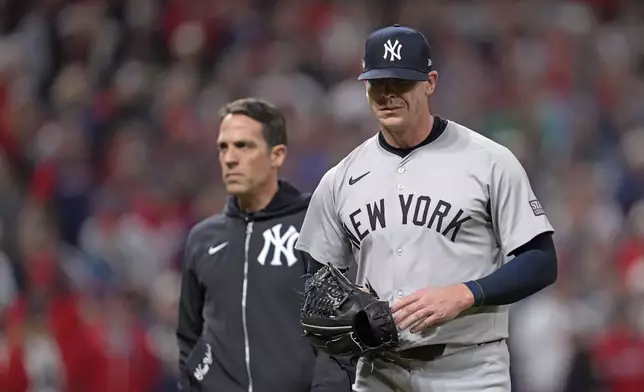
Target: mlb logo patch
537, 209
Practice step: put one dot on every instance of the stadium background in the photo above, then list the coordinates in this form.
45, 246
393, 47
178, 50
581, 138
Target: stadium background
107, 129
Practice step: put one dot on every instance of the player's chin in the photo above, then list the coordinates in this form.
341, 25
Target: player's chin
236, 188
392, 122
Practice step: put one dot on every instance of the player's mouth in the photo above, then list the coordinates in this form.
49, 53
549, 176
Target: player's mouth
232, 176
390, 109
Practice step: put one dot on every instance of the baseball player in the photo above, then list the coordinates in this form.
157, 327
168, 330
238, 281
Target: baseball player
441, 221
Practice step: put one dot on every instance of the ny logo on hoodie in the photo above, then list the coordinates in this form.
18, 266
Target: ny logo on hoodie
282, 244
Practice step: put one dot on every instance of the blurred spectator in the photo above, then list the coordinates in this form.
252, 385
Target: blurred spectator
8, 287
618, 354
48, 345
130, 364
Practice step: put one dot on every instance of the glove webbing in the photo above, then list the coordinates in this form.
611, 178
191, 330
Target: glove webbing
326, 297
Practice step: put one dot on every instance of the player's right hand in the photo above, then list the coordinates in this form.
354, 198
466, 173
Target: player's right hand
432, 305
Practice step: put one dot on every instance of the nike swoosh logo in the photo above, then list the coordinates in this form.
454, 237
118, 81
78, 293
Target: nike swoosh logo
214, 249
354, 180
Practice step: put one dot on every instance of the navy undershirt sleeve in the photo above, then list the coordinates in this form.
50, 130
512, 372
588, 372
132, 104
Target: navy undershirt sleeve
313, 266
533, 268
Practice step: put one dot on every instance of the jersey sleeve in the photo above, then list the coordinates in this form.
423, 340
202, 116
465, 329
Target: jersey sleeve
517, 214
322, 235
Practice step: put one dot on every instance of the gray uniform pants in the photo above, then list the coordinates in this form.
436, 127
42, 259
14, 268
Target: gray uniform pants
472, 369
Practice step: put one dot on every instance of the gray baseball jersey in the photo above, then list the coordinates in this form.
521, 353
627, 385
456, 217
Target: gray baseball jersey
447, 212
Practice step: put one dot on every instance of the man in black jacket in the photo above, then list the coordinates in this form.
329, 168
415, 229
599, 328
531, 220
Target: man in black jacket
239, 327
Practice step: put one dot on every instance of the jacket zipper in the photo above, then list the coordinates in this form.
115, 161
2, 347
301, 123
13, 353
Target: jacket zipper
249, 231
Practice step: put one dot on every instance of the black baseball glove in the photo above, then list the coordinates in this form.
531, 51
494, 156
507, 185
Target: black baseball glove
341, 319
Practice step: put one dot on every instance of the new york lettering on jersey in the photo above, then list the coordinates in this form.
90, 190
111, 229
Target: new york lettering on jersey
417, 210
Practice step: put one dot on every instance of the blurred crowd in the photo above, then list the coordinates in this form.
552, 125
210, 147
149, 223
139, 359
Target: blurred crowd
108, 156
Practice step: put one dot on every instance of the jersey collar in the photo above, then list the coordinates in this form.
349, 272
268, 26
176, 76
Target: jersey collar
437, 129
288, 200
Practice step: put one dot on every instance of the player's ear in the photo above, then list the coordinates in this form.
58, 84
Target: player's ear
278, 155
431, 83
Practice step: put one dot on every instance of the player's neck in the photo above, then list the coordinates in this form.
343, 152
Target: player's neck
412, 136
259, 199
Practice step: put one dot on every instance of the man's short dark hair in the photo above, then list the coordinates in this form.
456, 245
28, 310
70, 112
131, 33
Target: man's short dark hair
271, 118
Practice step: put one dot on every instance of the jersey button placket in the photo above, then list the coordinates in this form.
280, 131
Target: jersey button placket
399, 250
399, 293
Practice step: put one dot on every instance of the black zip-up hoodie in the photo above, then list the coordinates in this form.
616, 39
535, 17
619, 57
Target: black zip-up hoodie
239, 310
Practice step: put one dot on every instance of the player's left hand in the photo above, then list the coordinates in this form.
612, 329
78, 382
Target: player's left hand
432, 305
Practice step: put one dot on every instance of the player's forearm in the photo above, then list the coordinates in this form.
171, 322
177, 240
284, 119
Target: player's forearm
313, 266
529, 272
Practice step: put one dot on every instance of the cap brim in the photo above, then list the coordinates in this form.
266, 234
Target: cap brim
393, 73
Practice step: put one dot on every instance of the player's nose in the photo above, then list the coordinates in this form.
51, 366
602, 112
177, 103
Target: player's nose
384, 97
230, 158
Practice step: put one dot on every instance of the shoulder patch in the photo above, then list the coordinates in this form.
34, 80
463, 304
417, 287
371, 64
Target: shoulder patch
537, 209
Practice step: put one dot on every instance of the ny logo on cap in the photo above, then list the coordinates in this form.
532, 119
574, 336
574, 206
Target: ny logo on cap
392, 50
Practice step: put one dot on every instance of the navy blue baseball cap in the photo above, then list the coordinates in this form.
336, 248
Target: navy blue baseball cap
396, 52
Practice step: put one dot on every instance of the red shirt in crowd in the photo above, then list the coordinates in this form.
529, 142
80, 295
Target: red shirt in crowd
619, 360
